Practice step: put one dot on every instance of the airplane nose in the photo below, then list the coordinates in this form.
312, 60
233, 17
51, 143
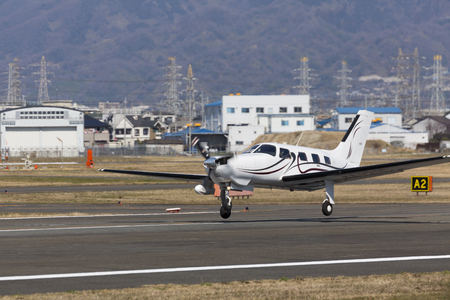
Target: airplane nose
211, 163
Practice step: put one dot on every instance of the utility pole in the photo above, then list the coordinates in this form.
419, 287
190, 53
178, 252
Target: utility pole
437, 105
172, 100
190, 100
43, 89
14, 85
343, 78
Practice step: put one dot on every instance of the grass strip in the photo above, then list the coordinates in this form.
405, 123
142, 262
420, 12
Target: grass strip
395, 286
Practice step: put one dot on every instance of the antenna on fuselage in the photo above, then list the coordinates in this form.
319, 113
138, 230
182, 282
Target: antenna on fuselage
299, 139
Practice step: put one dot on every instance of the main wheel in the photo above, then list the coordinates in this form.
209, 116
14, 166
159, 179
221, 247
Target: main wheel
226, 201
327, 208
225, 213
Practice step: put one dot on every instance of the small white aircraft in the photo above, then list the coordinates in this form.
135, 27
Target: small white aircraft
271, 165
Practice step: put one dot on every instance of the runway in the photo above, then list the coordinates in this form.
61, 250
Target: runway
142, 244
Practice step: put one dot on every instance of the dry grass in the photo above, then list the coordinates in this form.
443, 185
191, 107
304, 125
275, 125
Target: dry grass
368, 193
398, 286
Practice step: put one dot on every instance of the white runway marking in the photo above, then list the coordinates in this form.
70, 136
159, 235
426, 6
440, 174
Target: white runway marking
215, 268
115, 215
104, 227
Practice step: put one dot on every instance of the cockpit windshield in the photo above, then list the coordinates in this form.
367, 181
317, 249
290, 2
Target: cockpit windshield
251, 149
267, 149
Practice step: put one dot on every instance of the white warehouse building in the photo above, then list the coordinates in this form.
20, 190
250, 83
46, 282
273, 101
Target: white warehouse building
41, 131
277, 113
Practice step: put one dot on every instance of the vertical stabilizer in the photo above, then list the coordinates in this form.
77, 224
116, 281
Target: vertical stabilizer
352, 145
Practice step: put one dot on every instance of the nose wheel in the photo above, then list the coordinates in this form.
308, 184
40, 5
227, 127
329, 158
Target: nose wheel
225, 213
225, 209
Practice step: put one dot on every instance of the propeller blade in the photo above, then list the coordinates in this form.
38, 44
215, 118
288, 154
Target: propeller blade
201, 146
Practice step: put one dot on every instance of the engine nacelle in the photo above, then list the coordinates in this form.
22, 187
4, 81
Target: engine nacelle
201, 190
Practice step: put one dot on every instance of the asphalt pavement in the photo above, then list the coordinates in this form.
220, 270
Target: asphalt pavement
142, 244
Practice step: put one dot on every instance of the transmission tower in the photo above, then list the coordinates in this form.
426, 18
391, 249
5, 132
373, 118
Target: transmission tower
437, 105
14, 85
43, 89
303, 87
173, 103
408, 84
190, 100
343, 78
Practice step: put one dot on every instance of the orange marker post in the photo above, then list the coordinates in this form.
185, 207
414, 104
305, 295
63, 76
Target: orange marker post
90, 160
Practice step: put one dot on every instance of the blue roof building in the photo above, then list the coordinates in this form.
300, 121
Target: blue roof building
342, 117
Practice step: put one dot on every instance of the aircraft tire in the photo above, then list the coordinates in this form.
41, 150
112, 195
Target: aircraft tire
327, 208
225, 213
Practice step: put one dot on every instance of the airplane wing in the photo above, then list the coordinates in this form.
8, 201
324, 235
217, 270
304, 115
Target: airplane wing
315, 181
176, 176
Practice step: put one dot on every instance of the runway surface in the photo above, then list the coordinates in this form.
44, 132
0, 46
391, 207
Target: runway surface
145, 245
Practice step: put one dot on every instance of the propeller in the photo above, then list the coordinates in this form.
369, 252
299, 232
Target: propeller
201, 146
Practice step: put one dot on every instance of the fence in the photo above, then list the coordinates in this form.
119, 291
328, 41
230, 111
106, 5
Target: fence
44, 152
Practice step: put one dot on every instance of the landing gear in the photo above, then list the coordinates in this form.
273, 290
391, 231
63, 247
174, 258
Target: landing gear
226, 200
225, 213
327, 207
225, 209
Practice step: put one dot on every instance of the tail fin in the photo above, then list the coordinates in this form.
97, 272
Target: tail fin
351, 147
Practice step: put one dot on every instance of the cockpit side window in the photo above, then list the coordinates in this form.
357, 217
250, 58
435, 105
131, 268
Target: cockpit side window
251, 149
267, 149
284, 153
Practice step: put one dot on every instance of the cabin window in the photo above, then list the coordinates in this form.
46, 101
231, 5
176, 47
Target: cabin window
267, 149
302, 156
315, 158
284, 153
327, 160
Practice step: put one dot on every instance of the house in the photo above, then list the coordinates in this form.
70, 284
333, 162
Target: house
165, 117
95, 132
432, 125
132, 129
343, 117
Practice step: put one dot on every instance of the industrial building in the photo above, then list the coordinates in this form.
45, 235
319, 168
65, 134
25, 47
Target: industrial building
41, 131
271, 111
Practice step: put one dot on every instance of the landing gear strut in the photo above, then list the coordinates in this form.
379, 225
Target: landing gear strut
225, 209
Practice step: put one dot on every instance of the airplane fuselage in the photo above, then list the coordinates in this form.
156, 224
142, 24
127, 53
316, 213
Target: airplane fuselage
266, 164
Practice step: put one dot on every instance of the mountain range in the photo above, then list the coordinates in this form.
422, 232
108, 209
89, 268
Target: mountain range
107, 50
